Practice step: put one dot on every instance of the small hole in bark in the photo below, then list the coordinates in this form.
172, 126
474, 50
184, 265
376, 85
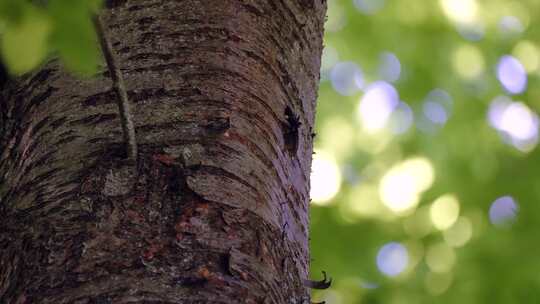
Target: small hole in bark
308, 3
177, 181
218, 125
290, 131
191, 281
115, 152
225, 263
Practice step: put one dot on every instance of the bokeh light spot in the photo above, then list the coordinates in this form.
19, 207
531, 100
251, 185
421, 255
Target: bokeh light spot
347, 78
444, 211
437, 283
442, 97
460, 233
402, 118
338, 146
325, 178
503, 211
528, 54
440, 258
519, 121
512, 74
400, 188
392, 259
473, 31
363, 202
336, 17
460, 11
390, 67
510, 25
435, 112
468, 61
496, 111
418, 224
369, 6
376, 105
516, 122
330, 57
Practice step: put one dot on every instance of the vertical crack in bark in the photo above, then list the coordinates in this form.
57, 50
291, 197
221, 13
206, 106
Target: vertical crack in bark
118, 84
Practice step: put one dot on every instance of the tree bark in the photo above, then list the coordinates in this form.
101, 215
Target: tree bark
216, 209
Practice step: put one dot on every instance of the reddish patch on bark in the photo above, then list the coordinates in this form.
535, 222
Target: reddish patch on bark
148, 255
188, 212
203, 272
202, 208
152, 250
211, 277
235, 136
243, 275
181, 226
164, 158
139, 199
90, 185
134, 216
21, 299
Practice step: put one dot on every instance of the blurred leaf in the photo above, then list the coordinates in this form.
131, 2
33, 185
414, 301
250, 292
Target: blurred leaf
12, 10
73, 34
24, 43
95, 5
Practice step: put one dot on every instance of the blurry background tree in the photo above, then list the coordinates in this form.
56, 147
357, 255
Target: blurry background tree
425, 185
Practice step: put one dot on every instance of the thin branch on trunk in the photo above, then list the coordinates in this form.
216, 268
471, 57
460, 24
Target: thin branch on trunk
128, 127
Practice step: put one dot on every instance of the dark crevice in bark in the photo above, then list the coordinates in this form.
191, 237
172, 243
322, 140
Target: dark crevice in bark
94, 119
37, 99
99, 99
67, 139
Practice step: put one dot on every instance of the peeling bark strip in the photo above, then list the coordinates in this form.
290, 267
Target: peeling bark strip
216, 210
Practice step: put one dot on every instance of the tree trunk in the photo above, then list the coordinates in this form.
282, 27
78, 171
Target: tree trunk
216, 210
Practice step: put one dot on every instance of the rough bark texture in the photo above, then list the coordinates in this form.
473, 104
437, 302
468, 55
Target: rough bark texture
216, 210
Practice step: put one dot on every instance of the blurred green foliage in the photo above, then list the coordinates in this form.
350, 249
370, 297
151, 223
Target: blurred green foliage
453, 46
31, 31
